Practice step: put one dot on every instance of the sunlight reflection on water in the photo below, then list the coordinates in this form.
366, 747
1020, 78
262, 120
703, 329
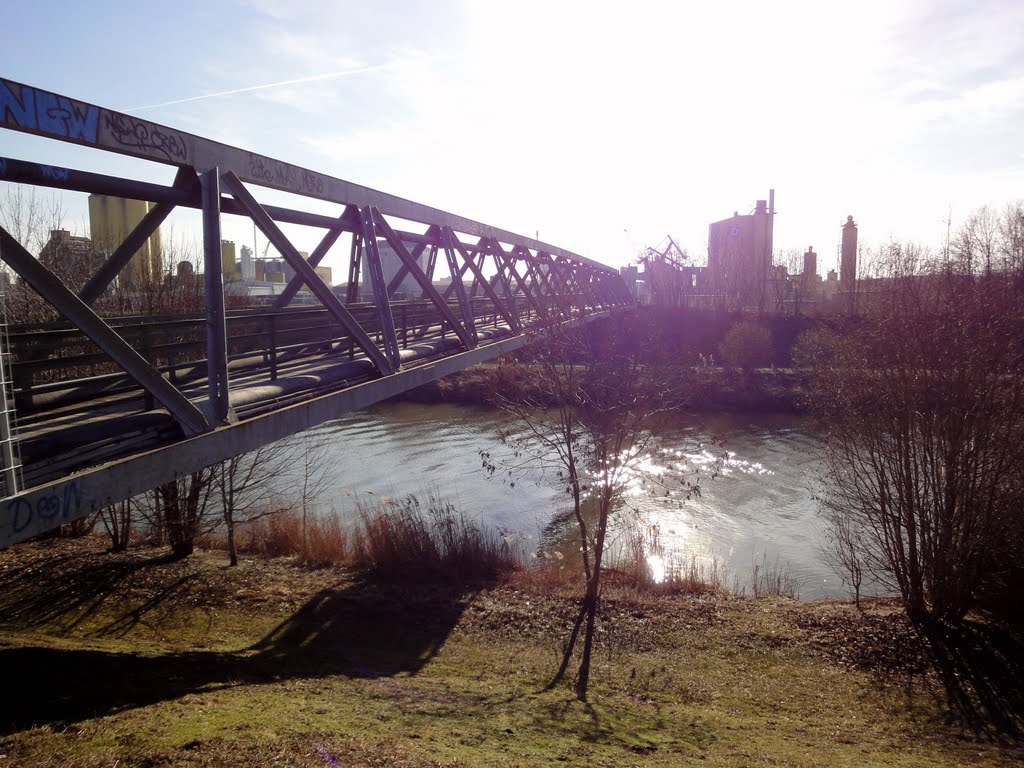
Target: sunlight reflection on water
758, 480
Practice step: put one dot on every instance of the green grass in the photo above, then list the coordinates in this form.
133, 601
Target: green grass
274, 665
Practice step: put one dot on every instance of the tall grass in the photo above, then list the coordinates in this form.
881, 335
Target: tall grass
639, 557
773, 579
318, 540
389, 538
410, 538
407, 537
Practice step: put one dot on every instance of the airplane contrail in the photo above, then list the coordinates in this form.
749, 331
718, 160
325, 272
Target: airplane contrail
266, 86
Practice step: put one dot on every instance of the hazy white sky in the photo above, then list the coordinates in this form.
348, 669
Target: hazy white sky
604, 126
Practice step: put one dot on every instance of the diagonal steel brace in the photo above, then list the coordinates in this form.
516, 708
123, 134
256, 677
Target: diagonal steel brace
47, 285
311, 278
428, 290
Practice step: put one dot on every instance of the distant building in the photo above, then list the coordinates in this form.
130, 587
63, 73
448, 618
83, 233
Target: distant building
740, 255
325, 275
248, 268
111, 219
228, 262
848, 256
630, 276
810, 265
391, 263
73, 259
848, 264
270, 270
831, 284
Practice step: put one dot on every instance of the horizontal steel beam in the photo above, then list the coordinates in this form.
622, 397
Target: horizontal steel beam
58, 177
34, 110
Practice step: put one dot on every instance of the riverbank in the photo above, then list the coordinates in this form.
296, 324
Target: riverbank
136, 661
712, 390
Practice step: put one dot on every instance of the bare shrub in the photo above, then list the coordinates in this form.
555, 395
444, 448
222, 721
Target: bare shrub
924, 405
177, 512
403, 538
280, 532
117, 522
773, 578
246, 484
815, 349
747, 345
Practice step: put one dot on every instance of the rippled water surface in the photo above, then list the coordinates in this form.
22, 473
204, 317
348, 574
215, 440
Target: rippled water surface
760, 503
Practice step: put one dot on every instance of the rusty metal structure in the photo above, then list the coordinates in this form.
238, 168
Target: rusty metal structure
100, 409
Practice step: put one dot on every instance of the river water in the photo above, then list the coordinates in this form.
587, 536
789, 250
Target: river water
759, 477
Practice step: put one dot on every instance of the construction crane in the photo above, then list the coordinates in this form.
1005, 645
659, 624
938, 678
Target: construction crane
664, 273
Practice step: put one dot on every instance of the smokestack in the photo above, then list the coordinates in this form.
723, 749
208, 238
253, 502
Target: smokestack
848, 256
810, 263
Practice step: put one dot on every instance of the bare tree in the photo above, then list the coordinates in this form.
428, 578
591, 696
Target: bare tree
178, 511
924, 404
30, 217
975, 244
1011, 242
117, 521
843, 548
587, 414
34, 221
248, 484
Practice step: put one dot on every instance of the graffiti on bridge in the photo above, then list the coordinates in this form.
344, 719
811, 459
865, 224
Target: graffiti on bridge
138, 134
264, 170
55, 173
36, 110
48, 511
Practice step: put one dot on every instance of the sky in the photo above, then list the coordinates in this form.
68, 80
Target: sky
602, 127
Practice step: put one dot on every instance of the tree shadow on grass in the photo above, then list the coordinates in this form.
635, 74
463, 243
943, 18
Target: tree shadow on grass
364, 629
66, 590
981, 669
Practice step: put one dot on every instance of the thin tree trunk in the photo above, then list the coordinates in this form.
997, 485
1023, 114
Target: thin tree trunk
583, 679
569, 648
229, 520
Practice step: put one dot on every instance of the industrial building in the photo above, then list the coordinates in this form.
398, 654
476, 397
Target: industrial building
740, 256
111, 219
848, 257
73, 258
391, 263
229, 262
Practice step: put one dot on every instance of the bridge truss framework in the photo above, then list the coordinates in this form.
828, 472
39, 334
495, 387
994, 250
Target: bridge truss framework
169, 402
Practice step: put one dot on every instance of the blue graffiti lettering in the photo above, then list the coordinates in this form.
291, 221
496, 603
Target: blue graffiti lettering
21, 514
54, 173
48, 507
72, 494
21, 111
49, 113
65, 505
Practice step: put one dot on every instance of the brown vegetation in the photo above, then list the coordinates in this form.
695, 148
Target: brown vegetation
922, 397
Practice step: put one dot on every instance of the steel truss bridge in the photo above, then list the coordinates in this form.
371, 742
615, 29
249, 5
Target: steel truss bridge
100, 409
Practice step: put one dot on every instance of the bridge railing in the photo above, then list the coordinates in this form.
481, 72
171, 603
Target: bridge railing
110, 406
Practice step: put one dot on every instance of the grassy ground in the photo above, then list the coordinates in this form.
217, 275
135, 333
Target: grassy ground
133, 661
